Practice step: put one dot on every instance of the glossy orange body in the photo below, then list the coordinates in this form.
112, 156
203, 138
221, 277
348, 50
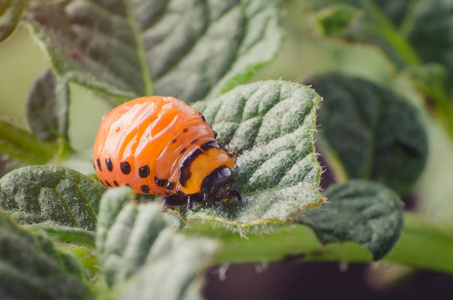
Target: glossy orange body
143, 142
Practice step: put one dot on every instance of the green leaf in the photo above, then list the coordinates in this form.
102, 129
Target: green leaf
64, 234
142, 257
269, 125
19, 143
32, 268
47, 107
360, 211
334, 21
375, 134
49, 193
10, 13
190, 49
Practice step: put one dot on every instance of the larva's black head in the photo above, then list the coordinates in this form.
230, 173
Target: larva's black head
216, 186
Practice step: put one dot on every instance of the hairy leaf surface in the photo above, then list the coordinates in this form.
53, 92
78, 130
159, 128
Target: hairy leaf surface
37, 194
269, 126
31, 267
189, 48
142, 257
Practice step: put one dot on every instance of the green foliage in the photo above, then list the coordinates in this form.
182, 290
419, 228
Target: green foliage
49, 193
277, 172
190, 49
47, 107
334, 21
142, 257
19, 143
359, 211
10, 13
375, 133
414, 35
32, 268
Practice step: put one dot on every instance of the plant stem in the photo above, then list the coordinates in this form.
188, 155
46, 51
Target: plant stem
391, 35
21, 144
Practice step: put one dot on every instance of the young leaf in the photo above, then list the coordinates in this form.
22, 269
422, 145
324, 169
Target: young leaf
142, 257
269, 126
49, 193
19, 143
47, 107
334, 21
360, 211
375, 133
32, 268
10, 13
190, 49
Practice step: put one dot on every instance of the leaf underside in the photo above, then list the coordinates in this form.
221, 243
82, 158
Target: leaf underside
375, 133
190, 49
38, 194
142, 257
47, 107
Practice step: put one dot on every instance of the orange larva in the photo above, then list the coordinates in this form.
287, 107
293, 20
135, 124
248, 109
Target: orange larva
160, 145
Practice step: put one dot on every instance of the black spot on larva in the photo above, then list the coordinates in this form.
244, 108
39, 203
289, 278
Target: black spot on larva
115, 183
127, 184
185, 129
107, 183
174, 141
160, 182
215, 134
108, 162
99, 164
170, 185
144, 171
145, 189
194, 141
183, 150
202, 117
125, 167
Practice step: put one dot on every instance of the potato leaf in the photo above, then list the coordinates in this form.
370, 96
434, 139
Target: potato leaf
38, 194
142, 257
190, 49
375, 133
364, 212
31, 266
